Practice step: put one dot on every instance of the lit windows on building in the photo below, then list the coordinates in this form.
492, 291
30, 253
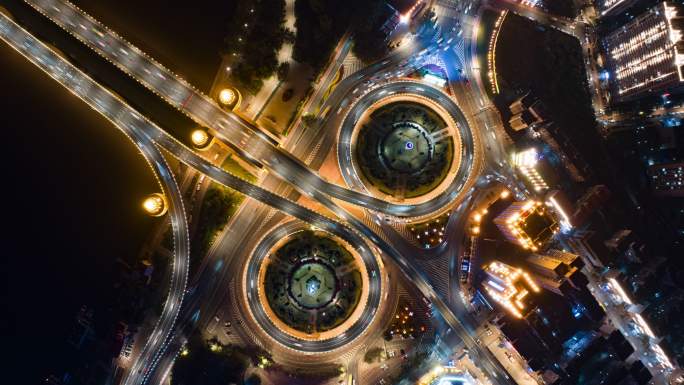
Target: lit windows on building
646, 54
667, 178
528, 224
608, 7
510, 287
526, 162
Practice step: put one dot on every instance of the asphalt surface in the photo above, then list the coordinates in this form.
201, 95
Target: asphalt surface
225, 125
145, 134
260, 145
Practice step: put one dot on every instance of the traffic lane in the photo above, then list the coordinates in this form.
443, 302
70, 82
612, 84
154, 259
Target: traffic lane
265, 194
201, 108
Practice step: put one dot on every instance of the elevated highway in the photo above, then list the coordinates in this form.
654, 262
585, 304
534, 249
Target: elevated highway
226, 126
124, 116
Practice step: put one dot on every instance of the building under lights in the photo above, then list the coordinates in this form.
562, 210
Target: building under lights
560, 273
447, 375
667, 179
645, 55
614, 7
529, 224
526, 162
510, 287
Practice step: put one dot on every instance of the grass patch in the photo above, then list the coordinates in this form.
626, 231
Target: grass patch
218, 206
232, 166
209, 363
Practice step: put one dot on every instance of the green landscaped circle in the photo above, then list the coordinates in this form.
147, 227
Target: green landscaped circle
312, 282
404, 149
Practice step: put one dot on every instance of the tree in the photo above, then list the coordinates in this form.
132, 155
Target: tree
253, 379
372, 355
283, 71
309, 120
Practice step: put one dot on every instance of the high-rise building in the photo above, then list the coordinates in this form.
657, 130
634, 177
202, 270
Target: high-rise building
510, 287
528, 224
667, 179
645, 55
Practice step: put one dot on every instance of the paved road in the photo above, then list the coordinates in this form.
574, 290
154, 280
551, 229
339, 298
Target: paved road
225, 125
104, 99
143, 133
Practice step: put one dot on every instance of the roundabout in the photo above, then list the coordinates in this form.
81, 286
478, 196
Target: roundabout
310, 290
407, 143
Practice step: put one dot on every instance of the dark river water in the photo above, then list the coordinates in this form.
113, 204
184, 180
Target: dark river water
72, 184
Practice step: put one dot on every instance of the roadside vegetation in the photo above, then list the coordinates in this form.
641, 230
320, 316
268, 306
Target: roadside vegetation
321, 23
254, 36
218, 205
209, 363
564, 8
232, 166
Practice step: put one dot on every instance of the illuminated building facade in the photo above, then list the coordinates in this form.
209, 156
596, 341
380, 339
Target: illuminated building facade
510, 287
447, 375
526, 162
528, 224
645, 55
667, 179
613, 7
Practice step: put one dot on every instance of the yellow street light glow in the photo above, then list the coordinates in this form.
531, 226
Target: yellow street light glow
199, 138
154, 205
227, 96
505, 194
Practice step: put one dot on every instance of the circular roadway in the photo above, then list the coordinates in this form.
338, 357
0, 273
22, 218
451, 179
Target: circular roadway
261, 316
442, 199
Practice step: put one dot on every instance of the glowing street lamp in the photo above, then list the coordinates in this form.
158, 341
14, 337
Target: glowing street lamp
155, 205
227, 96
200, 138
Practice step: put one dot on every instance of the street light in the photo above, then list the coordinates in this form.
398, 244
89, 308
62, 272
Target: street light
227, 96
155, 205
199, 138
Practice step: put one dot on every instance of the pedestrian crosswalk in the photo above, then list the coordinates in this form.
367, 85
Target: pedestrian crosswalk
437, 271
351, 64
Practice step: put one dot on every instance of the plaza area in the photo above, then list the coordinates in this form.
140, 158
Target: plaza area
404, 149
312, 283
